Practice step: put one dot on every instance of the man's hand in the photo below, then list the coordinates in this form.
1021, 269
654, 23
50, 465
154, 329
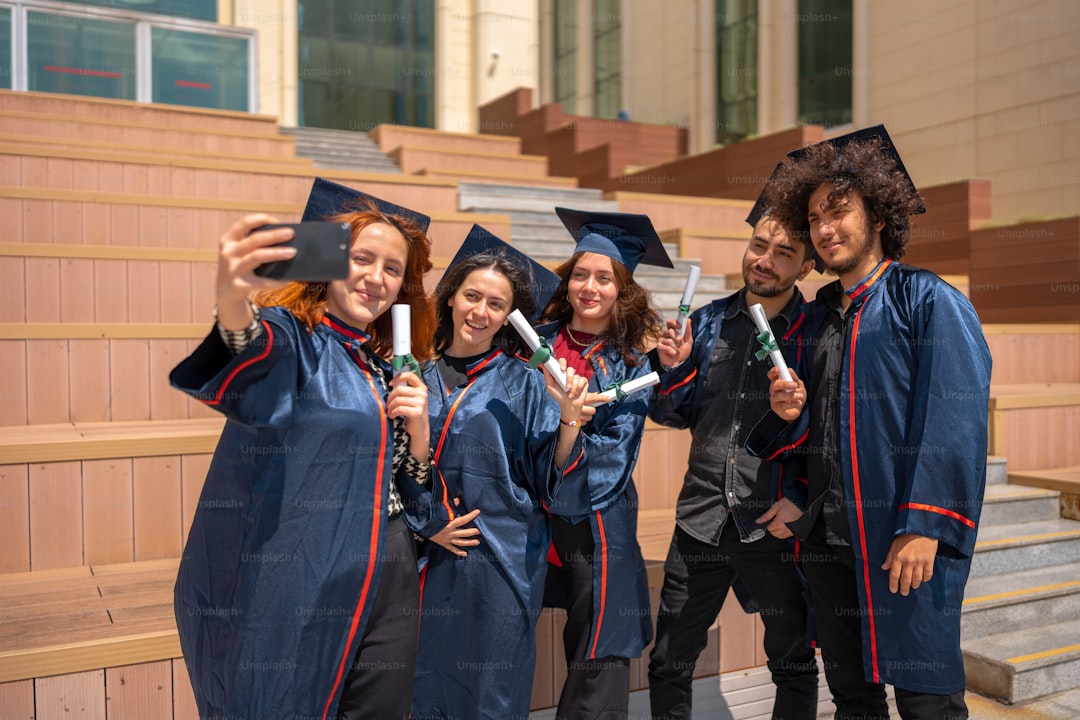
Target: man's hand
782, 512
786, 398
910, 562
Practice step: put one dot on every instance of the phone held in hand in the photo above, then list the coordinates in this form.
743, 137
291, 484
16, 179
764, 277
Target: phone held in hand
322, 252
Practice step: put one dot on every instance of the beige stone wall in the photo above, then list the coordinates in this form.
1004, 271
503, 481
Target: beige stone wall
988, 90
276, 45
483, 49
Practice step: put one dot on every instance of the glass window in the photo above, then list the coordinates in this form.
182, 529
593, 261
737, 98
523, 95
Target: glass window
194, 9
362, 64
5, 48
566, 54
736, 69
824, 62
607, 33
68, 54
191, 68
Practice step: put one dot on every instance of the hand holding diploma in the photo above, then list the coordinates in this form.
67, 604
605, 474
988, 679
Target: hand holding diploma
768, 342
403, 359
542, 354
692, 278
620, 390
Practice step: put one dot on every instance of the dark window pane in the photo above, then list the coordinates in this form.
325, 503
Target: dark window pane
200, 70
5, 48
68, 54
736, 69
371, 60
194, 9
824, 61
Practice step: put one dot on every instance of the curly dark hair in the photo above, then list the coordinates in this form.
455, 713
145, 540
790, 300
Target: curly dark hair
860, 166
520, 279
635, 323
307, 300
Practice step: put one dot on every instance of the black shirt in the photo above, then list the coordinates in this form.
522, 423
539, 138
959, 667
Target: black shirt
454, 370
722, 478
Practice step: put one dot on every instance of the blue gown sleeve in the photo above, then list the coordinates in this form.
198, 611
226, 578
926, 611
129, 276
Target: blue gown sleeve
608, 450
674, 402
425, 509
257, 387
944, 485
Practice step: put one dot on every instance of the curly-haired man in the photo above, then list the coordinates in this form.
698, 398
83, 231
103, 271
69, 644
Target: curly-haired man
891, 429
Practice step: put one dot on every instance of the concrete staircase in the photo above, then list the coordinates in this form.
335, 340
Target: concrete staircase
537, 231
340, 149
1021, 617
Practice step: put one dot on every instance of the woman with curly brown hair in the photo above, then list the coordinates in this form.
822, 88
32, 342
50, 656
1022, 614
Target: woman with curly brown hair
601, 322
297, 591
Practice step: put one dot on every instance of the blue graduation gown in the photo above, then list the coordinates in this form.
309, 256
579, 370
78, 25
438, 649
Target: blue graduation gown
284, 555
914, 390
494, 441
621, 625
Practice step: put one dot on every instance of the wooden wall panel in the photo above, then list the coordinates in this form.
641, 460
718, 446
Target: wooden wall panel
47, 381
77, 290
110, 297
156, 497
144, 290
43, 286
79, 696
139, 692
17, 700
56, 515
108, 511
13, 289
166, 403
738, 639
89, 382
14, 522
13, 410
184, 707
129, 373
1038, 438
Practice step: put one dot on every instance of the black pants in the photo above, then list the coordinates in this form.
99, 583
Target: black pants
379, 683
697, 576
830, 571
597, 688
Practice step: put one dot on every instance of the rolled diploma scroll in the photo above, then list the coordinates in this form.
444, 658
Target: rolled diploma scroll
525, 330
758, 313
631, 386
401, 314
687, 297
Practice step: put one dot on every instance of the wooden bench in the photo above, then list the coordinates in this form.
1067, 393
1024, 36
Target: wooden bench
1065, 480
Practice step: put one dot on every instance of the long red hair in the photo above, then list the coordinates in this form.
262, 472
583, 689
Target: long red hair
307, 300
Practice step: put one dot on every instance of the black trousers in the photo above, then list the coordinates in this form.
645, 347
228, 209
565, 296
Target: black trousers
830, 571
697, 576
597, 688
379, 683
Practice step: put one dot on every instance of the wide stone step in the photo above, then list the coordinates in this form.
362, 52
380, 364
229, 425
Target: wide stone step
1026, 598
1025, 663
997, 472
663, 280
528, 217
1010, 504
563, 197
529, 204
559, 250
1005, 548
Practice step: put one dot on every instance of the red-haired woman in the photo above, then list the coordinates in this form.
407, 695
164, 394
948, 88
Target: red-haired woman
297, 592
601, 323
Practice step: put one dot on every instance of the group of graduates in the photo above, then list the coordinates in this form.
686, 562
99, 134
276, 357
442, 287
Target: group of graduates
376, 538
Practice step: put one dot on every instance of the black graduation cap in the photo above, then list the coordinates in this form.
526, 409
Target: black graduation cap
542, 282
761, 207
886, 145
329, 198
626, 237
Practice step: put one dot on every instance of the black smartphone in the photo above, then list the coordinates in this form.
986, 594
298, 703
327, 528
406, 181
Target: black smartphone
322, 252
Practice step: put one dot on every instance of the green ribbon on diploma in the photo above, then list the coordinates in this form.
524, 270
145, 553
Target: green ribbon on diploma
768, 345
684, 309
617, 387
402, 361
541, 355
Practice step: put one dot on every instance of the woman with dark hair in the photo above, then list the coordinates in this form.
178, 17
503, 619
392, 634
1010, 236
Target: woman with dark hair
500, 455
297, 591
601, 324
